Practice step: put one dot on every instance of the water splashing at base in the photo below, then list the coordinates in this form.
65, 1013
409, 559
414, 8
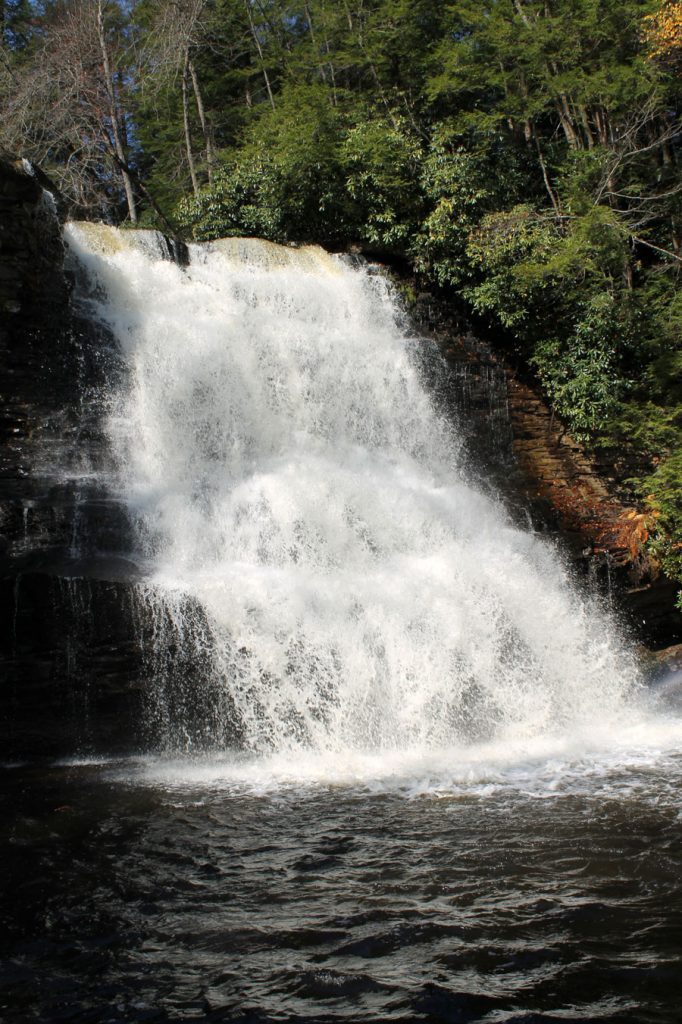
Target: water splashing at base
321, 575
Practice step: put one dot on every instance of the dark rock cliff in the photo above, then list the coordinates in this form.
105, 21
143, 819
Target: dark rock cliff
34, 298
64, 600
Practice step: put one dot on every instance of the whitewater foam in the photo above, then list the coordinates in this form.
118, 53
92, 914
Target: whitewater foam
324, 580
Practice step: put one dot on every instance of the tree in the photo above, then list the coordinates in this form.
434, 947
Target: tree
16, 24
67, 108
663, 31
175, 33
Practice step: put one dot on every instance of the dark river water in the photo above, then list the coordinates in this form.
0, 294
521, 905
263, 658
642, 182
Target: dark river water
148, 891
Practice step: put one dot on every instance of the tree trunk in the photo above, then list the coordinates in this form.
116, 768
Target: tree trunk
584, 117
602, 126
629, 277
349, 16
521, 13
256, 40
113, 116
566, 118
313, 43
548, 184
202, 118
185, 122
562, 105
332, 75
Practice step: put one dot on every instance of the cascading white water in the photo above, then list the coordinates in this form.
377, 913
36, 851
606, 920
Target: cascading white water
307, 525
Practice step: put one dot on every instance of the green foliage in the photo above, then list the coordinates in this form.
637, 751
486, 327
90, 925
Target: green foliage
648, 423
241, 201
582, 373
460, 184
664, 498
284, 183
559, 288
380, 164
513, 252
303, 173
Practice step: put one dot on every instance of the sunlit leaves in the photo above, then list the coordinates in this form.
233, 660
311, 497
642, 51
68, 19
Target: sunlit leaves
663, 31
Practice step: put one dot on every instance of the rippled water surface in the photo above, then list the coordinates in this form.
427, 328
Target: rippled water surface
152, 891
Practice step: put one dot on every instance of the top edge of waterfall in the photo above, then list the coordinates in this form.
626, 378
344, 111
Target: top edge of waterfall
106, 240
269, 255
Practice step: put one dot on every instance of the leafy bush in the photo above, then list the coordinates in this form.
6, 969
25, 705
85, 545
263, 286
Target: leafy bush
582, 372
665, 501
512, 250
559, 288
284, 183
461, 184
381, 162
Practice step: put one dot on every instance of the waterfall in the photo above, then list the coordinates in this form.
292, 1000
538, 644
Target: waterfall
320, 573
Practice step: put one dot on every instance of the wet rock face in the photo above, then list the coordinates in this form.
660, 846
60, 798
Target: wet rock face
71, 665
35, 336
580, 496
546, 475
31, 282
69, 659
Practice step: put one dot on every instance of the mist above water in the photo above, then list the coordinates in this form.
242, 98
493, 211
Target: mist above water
324, 579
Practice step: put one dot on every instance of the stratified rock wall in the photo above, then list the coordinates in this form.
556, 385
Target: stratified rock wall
580, 497
545, 474
65, 598
34, 298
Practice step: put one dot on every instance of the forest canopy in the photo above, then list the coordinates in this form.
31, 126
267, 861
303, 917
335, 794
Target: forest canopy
522, 155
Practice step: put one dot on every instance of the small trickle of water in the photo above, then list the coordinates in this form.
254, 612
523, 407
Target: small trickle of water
321, 574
